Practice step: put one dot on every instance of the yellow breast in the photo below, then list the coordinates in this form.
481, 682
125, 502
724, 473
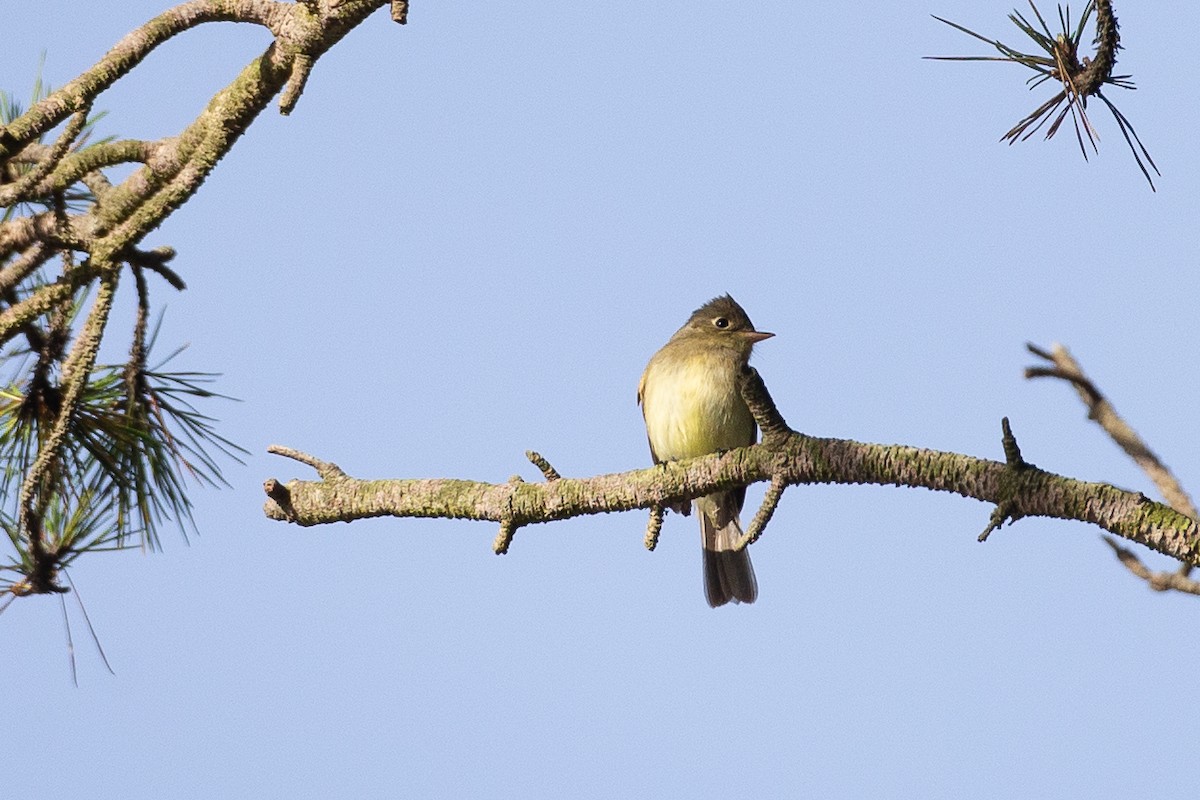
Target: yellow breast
692, 405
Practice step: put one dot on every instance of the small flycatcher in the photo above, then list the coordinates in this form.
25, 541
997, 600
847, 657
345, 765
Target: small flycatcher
690, 399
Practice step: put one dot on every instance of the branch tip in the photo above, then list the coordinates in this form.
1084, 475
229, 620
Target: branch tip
1000, 515
1037, 351
1177, 580
549, 472
1012, 452
301, 67
654, 527
508, 529
156, 261
400, 11
765, 512
326, 469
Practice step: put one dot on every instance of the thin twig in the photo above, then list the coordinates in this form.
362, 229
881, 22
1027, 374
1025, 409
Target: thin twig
653, 527
539, 461
326, 469
1158, 581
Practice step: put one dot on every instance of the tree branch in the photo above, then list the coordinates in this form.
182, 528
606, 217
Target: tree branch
785, 458
1176, 580
39, 483
21, 189
1101, 411
124, 56
42, 451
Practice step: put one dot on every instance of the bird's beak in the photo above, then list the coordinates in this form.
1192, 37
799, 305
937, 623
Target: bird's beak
757, 336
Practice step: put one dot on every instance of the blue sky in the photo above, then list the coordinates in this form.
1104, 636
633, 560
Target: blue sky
466, 242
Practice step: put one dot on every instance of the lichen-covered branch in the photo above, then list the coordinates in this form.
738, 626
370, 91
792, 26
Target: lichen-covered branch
124, 56
42, 480
1062, 365
173, 168
86, 456
784, 459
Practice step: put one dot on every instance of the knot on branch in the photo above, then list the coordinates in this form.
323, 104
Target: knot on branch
282, 497
1006, 508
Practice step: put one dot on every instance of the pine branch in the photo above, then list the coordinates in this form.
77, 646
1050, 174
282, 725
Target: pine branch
786, 458
100, 452
1080, 78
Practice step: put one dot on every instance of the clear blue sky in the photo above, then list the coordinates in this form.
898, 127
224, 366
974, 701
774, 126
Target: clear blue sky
466, 242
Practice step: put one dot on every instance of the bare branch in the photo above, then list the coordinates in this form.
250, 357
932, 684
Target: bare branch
18, 234
156, 261
654, 527
1158, 581
796, 459
548, 472
76, 166
23, 267
1065, 367
295, 84
765, 512
20, 190
14, 318
127, 54
327, 470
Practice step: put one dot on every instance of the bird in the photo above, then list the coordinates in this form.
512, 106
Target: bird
692, 407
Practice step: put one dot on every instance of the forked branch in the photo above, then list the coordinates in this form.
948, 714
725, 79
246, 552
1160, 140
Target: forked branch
92, 454
1062, 365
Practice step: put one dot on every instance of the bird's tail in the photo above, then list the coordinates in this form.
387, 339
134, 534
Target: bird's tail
728, 574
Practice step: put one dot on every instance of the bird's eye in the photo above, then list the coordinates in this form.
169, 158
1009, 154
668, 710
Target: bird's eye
721, 322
